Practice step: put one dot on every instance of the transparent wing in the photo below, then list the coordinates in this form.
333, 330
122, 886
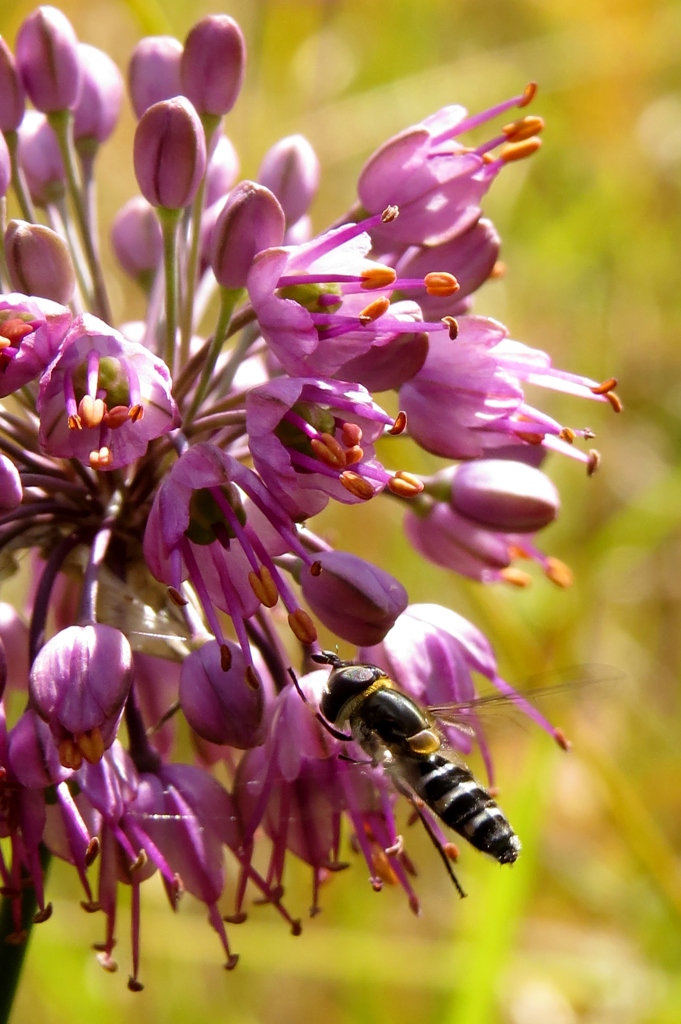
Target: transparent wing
534, 691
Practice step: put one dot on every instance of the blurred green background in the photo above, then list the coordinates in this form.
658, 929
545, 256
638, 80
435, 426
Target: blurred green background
587, 926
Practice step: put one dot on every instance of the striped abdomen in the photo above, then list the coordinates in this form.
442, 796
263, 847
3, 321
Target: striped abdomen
451, 792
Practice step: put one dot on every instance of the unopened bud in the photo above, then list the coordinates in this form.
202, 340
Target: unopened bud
251, 220
500, 494
39, 262
12, 98
170, 153
99, 105
213, 64
138, 240
47, 58
290, 169
154, 72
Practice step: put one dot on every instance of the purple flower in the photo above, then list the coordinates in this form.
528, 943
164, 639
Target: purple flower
313, 439
104, 399
468, 396
198, 530
31, 333
353, 598
437, 182
222, 705
250, 220
79, 683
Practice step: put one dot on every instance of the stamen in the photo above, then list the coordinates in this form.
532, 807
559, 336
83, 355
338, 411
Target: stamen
357, 485
329, 451
351, 434
92, 851
101, 459
69, 755
452, 326
15, 331
390, 214
263, 587
529, 92
559, 573
562, 740
302, 627
91, 745
253, 680
519, 150
176, 597
374, 310
405, 485
225, 658
516, 577
378, 277
594, 461
498, 270
117, 416
316, 569
91, 411
400, 423
603, 389
136, 412
353, 455
567, 434
74, 422
441, 284
523, 128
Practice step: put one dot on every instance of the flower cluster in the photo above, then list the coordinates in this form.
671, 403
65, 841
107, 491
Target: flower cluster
160, 476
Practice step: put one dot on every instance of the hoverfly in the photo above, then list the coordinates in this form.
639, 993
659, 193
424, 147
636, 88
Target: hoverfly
403, 737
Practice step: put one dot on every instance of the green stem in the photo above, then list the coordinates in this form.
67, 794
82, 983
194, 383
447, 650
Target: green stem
12, 954
210, 124
228, 299
18, 180
169, 220
62, 123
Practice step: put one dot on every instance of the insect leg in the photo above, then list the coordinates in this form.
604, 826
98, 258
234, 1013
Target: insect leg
405, 791
342, 736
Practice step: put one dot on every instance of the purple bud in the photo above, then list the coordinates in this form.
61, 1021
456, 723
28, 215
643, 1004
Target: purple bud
79, 683
5, 166
154, 72
39, 262
99, 106
251, 220
353, 598
12, 97
290, 169
222, 170
503, 495
11, 491
170, 153
47, 57
137, 238
41, 160
213, 64
221, 705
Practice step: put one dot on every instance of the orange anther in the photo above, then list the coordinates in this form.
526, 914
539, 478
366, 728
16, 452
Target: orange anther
562, 740
351, 434
441, 284
529, 92
594, 462
302, 627
353, 455
225, 657
378, 276
389, 214
516, 577
452, 326
559, 573
117, 416
400, 424
523, 128
91, 411
374, 310
357, 485
519, 150
405, 485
